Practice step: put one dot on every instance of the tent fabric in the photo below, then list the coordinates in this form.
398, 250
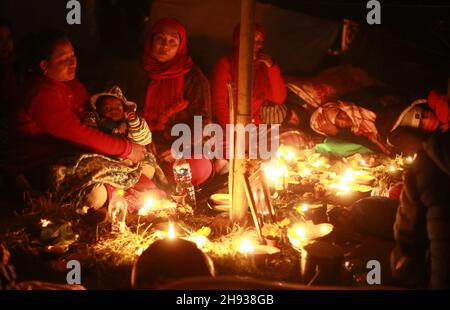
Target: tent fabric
297, 42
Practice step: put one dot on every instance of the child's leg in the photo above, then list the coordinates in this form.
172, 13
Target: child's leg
98, 196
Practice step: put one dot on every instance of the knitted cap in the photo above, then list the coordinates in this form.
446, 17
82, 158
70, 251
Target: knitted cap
115, 92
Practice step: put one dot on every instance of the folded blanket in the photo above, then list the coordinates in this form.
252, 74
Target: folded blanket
72, 178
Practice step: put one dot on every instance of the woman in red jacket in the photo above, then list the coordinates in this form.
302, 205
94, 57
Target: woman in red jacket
177, 92
49, 121
268, 83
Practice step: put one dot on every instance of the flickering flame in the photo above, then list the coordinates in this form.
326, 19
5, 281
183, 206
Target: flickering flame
171, 232
139, 251
392, 168
246, 246
285, 153
45, 223
305, 207
307, 171
324, 230
317, 163
199, 240
148, 207
276, 174
410, 159
348, 176
363, 162
289, 155
300, 231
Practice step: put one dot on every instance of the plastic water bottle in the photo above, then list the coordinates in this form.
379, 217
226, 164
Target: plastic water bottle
117, 211
183, 178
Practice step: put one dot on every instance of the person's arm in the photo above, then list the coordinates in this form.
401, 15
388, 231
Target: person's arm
407, 258
219, 92
375, 139
138, 130
50, 111
277, 89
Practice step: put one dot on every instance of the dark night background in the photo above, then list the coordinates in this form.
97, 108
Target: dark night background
410, 49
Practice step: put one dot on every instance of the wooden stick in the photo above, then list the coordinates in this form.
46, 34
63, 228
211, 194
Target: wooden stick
232, 142
239, 206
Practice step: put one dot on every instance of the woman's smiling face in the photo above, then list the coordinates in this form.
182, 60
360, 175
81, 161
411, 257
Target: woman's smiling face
62, 64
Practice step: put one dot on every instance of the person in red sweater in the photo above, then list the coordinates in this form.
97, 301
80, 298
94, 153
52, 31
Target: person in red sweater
177, 92
268, 84
49, 120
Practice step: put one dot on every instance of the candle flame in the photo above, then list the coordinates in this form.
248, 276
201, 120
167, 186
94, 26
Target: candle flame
300, 231
139, 251
148, 206
392, 168
305, 207
324, 229
348, 176
171, 232
317, 163
246, 247
199, 240
45, 223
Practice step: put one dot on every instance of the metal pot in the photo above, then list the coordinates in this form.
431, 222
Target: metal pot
322, 263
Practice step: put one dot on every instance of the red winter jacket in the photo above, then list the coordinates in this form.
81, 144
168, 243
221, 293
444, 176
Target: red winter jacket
55, 109
275, 89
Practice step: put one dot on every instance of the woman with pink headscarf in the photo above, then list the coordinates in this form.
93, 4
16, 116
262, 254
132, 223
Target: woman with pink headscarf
177, 92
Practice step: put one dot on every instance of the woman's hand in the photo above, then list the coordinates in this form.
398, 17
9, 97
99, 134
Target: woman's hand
265, 59
137, 153
377, 141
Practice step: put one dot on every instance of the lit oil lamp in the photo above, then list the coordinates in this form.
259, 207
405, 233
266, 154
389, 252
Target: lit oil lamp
199, 240
304, 233
45, 223
246, 247
171, 231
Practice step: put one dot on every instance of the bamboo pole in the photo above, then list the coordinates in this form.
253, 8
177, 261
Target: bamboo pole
239, 205
232, 107
448, 89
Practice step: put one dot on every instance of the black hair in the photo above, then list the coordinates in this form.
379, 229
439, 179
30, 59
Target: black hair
36, 47
5, 23
46, 41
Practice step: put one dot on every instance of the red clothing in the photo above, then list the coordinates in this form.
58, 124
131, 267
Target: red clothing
438, 102
165, 90
271, 87
54, 109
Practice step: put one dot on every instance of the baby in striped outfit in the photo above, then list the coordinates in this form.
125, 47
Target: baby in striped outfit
115, 115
